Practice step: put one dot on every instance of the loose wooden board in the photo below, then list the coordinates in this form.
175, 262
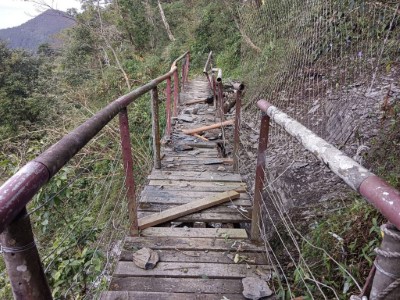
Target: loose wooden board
205, 257
197, 244
123, 295
219, 233
185, 209
197, 176
177, 285
223, 208
208, 217
191, 270
198, 186
154, 191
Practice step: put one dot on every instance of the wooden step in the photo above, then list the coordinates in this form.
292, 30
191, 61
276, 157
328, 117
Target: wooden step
207, 217
191, 270
196, 176
197, 244
195, 232
127, 295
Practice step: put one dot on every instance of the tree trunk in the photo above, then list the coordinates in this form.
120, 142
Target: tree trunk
164, 19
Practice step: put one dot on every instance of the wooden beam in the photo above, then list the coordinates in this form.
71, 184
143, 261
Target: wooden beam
209, 127
183, 210
219, 233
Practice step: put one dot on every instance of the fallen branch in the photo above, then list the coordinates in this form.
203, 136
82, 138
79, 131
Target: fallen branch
209, 127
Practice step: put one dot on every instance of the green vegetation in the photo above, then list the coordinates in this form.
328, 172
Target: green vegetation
80, 216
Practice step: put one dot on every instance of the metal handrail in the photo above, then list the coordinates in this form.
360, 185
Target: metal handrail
373, 188
18, 190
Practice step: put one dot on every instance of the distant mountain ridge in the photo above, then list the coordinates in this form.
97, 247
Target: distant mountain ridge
37, 31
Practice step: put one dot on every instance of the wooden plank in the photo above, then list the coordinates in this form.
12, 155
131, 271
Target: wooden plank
198, 244
177, 285
178, 255
219, 233
208, 127
198, 186
127, 295
150, 207
205, 217
197, 176
185, 209
191, 270
154, 191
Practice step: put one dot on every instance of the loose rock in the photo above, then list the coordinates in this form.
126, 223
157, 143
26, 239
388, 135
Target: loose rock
255, 288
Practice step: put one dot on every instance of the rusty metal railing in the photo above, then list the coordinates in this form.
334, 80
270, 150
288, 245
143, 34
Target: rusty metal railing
214, 78
373, 188
16, 192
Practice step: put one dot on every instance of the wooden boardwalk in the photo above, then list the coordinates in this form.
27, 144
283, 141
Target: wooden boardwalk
205, 254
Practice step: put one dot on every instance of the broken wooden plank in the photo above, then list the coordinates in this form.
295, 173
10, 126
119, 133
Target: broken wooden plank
177, 285
228, 208
208, 127
219, 233
197, 244
154, 191
190, 270
196, 101
180, 255
197, 176
199, 185
186, 209
124, 295
208, 217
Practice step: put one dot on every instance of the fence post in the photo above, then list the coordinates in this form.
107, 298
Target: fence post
214, 88
168, 104
155, 128
176, 93
128, 168
221, 101
22, 260
237, 131
260, 177
183, 74
187, 67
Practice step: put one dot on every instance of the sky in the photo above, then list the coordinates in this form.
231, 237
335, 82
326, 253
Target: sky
16, 12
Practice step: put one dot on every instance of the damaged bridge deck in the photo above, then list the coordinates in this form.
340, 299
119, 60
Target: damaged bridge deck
203, 254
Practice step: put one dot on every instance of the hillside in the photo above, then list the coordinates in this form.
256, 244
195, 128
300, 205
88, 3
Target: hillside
37, 31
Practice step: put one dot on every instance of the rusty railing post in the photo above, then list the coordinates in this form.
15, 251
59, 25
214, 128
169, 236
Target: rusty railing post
214, 88
22, 260
237, 131
176, 93
183, 74
128, 168
168, 104
187, 67
155, 128
221, 101
260, 177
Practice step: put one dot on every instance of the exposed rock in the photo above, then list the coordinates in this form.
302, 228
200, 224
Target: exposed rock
255, 288
146, 258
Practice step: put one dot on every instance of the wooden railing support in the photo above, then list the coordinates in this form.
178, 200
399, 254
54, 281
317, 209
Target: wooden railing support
22, 260
176, 93
214, 84
155, 128
236, 142
128, 168
221, 101
260, 177
187, 67
168, 107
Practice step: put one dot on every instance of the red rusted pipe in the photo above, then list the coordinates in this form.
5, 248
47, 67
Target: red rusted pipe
17, 191
187, 67
383, 196
260, 177
176, 93
155, 128
237, 131
183, 75
128, 168
22, 260
168, 104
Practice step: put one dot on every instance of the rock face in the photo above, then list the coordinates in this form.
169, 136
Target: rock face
254, 288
